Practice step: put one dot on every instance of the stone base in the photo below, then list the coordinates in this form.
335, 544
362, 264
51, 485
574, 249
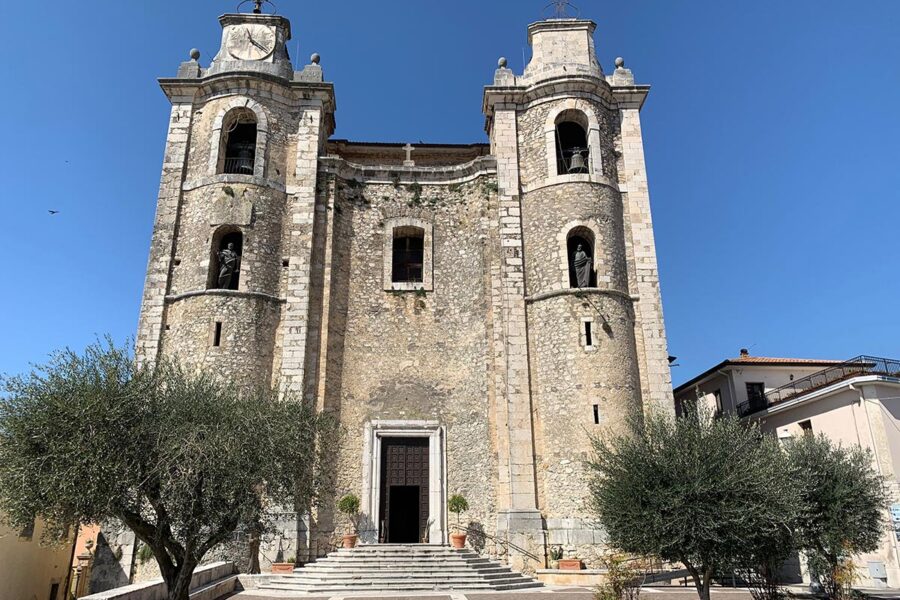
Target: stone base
583, 578
524, 537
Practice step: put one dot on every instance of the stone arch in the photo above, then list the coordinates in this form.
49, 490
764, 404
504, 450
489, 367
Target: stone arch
221, 238
582, 113
233, 107
589, 232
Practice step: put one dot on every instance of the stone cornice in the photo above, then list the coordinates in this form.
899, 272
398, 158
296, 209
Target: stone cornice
225, 293
212, 85
579, 292
599, 89
444, 175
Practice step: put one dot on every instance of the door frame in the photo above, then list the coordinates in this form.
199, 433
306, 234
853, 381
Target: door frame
375, 431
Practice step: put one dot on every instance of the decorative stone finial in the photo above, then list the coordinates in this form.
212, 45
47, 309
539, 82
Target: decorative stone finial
620, 62
502, 62
315, 58
195, 54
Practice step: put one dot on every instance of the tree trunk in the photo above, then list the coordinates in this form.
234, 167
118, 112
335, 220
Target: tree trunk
180, 588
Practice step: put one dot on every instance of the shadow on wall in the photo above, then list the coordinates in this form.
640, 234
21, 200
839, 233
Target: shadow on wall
107, 571
475, 536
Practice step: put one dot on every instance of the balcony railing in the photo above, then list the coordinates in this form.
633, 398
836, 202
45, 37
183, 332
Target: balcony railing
861, 365
240, 166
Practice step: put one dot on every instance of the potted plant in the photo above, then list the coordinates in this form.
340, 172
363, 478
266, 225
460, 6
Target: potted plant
349, 505
279, 565
556, 553
284, 567
458, 504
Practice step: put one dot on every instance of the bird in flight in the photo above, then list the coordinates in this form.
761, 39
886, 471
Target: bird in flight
52, 212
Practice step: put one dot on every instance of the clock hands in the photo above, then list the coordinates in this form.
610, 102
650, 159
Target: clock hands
255, 43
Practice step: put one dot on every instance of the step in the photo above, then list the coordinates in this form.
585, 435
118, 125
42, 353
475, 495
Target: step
399, 568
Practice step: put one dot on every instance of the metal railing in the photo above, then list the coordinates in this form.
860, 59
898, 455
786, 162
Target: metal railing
240, 166
860, 365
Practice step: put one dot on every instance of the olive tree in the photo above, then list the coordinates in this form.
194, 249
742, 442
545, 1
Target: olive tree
181, 457
846, 500
710, 493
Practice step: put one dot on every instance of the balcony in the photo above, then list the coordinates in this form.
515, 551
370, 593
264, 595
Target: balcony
239, 165
855, 367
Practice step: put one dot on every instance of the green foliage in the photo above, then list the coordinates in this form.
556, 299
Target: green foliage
144, 553
457, 504
556, 552
349, 505
709, 493
845, 498
181, 457
623, 579
415, 188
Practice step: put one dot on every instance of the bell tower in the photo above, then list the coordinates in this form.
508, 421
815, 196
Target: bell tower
585, 340
228, 277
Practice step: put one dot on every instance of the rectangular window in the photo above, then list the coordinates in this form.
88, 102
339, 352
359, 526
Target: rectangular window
596, 414
54, 591
217, 334
717, 396
408, 255
806, 427
588, 337
27, 532
756, 396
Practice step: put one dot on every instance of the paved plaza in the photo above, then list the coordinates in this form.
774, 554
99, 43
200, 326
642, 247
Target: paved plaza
547, 593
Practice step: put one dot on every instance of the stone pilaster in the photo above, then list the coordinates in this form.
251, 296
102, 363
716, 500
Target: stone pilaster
295, 321
519, 520
653, 355
162, 243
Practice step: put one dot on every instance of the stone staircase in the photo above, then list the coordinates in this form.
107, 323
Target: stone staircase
400, 567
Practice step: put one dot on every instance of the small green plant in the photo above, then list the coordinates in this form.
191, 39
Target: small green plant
556, 552
292, 559
420, 292
623, 578
416, 189
457, 504
349, 505
144, 554
228, 191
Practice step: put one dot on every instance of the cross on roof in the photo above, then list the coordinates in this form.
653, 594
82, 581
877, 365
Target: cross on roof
408, 148
561, 8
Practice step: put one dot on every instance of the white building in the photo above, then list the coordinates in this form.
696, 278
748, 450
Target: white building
852, 402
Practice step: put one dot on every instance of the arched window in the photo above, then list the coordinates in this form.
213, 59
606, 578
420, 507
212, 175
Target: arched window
237, 152
225, 262
572, 152
580, 253
408, 254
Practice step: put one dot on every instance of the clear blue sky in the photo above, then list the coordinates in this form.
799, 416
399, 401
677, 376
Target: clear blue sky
772, 136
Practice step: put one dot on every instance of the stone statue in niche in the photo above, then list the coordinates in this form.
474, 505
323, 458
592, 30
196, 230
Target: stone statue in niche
228, 265
582, 264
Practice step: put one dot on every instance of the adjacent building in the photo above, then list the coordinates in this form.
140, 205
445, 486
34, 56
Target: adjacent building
33, 567
854, 401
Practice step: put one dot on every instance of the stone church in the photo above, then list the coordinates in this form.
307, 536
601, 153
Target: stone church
471, 313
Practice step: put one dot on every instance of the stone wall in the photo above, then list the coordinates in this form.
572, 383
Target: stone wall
411, 355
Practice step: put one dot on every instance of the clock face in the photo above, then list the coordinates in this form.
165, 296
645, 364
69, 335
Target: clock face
251, 42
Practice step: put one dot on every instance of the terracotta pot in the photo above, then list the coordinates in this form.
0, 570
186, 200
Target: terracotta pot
570, 564
458, 540
282, 567
350, 540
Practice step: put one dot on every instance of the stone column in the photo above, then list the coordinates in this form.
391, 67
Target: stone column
653, 354
519, 519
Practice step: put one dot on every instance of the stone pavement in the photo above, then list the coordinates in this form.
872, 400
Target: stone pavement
547, 593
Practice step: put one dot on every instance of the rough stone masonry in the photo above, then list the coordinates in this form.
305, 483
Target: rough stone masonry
420, 292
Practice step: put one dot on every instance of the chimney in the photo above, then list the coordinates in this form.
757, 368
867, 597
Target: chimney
744, 352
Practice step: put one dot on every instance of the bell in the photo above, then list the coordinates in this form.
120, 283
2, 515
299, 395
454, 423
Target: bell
576, 163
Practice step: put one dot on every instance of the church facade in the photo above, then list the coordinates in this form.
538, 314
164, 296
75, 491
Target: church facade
471, 314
